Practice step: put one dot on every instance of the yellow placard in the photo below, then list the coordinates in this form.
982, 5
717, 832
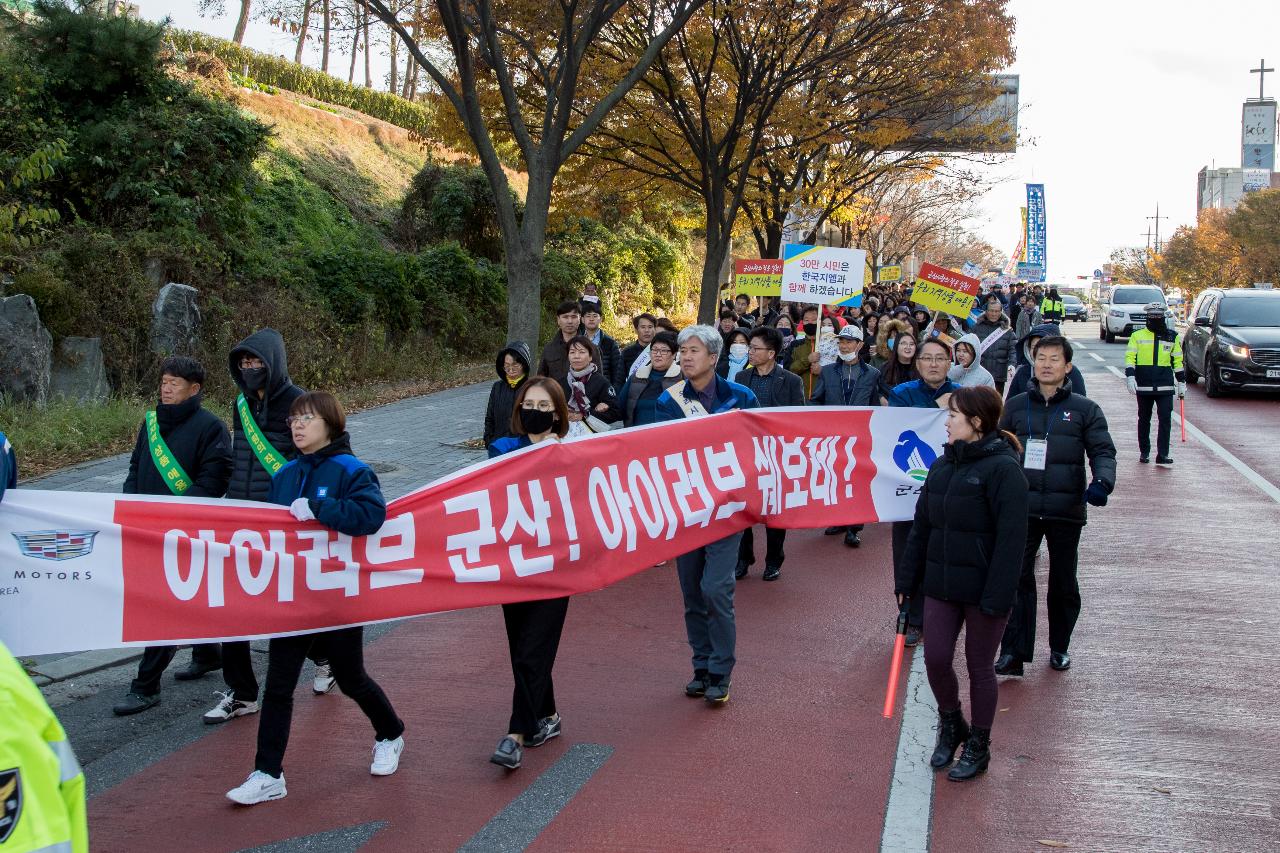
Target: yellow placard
935, 297
891, 273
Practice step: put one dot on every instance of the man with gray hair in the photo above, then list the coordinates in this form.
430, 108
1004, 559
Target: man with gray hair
706, 573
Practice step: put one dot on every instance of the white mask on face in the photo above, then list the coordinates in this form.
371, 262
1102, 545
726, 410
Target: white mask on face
848, 356
738, 350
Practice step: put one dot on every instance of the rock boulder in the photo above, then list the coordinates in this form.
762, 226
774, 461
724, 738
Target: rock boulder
78, 371
26, 351
175, 320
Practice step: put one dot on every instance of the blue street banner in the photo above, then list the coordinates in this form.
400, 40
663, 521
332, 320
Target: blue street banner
1037, 240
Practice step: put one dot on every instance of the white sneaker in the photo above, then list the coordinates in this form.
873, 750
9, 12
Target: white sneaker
229, 706
324, 680
386, 756
258, 788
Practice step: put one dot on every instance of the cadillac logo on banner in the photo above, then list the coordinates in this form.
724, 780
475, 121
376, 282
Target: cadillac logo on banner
56, 544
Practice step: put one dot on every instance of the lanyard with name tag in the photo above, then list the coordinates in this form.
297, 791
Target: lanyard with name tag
1037, 451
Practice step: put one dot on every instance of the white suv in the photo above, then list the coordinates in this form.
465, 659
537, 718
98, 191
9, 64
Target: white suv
1125, 310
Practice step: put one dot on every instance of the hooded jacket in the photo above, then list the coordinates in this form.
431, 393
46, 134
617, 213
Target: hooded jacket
199, 443
888, 329
639, 397
1003, 352
970, 527
502, 396
723, 368
975, 374
249, 480
1077, 432
343, 492
1023, 379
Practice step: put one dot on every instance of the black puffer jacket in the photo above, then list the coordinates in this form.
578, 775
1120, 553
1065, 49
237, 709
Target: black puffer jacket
997, 357
249, 480
1024, 378
970, 527
1077, 429
502, 397
199, 443
611, 355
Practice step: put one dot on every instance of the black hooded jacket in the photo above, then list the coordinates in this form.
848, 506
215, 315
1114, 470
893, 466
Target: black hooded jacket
970, 527
1077, 432
199, 443
502, 397
1024, 378
249, 480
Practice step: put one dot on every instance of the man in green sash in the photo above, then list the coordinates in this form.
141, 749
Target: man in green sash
261, 444
183, 450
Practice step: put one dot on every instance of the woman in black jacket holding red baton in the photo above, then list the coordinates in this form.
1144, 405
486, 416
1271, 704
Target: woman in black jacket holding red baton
966, 549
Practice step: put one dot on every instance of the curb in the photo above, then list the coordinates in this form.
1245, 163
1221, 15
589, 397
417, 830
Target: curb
82, 664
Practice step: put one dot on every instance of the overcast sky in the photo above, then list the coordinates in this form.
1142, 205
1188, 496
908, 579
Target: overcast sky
1123, 101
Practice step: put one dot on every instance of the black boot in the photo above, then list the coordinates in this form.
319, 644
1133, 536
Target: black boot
952, 731
975, 758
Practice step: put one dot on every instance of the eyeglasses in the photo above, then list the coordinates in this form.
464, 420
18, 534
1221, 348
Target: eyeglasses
540, 405
934, 359
760, 349
660, 351
302, 420
248, 363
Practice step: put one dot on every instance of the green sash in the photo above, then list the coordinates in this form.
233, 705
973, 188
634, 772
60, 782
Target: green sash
263, 449
170, 471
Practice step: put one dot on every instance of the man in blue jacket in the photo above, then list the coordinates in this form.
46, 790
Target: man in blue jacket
8, 466
706, 573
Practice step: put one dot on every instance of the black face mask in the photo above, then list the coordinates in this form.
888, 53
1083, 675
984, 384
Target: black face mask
1157, 324
536, 422
811, 329
255, 378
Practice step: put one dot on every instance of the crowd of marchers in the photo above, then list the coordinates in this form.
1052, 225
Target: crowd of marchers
1027, 452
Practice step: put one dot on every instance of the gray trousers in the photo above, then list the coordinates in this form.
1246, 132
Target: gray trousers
707, 582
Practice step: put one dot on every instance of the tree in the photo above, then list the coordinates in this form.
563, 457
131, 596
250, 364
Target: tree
1203, 255
531, 58
792, 80
1255, 226
218, 8
1139, 266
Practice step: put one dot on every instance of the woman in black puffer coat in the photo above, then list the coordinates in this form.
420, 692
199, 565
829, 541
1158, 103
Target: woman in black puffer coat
512, 366
966, 549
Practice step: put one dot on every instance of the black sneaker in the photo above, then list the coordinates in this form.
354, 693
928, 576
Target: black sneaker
1061, 661
771, 573
134, 703
851, 538
548, 727
1008, 665
834, 531
718, 694
913, 637
508, 754
698, 686
741, 571
196, 671
1145, 459
1164, 461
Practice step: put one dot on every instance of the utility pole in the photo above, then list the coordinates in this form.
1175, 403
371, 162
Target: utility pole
1148, 232
1157, 218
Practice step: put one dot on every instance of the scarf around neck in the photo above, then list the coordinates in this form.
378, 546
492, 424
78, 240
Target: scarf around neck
578, 400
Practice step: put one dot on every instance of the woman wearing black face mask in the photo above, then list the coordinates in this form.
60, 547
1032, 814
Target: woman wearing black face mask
533, 627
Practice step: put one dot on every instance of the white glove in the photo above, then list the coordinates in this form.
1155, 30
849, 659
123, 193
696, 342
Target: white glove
1132, 383
301, 509
1181, 388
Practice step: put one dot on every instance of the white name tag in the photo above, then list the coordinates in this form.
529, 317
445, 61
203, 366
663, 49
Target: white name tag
1037, 454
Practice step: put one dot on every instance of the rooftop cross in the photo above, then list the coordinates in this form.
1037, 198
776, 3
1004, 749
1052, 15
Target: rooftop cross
1261, 71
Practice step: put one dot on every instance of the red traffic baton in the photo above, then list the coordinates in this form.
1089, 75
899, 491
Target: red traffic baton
895, 667
1182, 416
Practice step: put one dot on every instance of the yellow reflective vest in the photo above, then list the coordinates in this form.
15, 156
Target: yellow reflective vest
1052, 309
41, 784
1154, 362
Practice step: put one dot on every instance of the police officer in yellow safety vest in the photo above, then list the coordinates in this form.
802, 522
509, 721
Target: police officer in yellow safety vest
1051, 307
41, 784
1153, 371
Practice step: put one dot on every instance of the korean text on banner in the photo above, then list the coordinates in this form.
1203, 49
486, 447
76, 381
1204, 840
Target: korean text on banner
1037, 239
823, 275
939, 289
890, 274
96, 571
757, 277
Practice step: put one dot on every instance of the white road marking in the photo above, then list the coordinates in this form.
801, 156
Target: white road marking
1264, 485
1096, 357
910, 810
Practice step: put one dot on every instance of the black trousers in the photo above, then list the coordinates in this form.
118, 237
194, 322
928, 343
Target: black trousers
915, 610
1163, 405
237, 666
533, 637
774, 538
345, 649
1063, 598
155, 659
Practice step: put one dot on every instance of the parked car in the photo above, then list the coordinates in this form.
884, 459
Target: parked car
1126, 309
1233, 340
1073, 308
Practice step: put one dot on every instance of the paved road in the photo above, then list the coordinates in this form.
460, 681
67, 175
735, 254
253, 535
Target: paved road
1161, 737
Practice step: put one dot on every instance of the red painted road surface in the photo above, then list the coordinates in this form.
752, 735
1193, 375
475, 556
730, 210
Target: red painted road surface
1163, 736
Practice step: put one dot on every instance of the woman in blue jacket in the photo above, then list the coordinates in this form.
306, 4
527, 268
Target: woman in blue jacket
533, 627
326, 484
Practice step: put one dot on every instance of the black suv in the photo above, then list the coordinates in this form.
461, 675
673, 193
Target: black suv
1233, 340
